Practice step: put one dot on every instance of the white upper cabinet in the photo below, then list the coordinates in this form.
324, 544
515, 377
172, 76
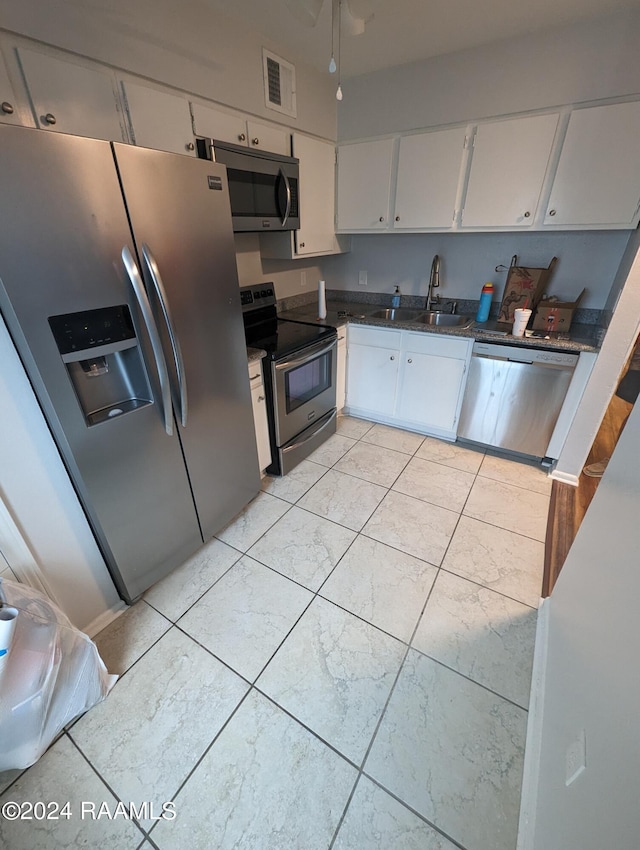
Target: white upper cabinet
158, 119
9, 111
236, 129
364, 185
317, 195
597, 183
508, 167
429, 166
70, 98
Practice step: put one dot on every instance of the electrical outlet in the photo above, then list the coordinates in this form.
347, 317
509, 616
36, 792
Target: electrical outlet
303, 279
362, 278
576, 758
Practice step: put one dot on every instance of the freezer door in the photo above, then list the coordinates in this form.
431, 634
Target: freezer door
64, 226
181, 222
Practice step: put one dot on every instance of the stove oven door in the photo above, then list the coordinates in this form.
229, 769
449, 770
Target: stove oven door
304, 389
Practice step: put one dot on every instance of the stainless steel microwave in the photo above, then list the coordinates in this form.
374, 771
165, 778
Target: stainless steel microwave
263, 187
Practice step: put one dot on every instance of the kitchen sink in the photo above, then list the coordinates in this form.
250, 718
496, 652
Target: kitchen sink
397, 314
444, 320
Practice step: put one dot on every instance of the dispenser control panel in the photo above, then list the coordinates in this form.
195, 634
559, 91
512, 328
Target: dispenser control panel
92, 328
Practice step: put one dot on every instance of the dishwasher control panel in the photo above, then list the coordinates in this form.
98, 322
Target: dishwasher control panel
524, 354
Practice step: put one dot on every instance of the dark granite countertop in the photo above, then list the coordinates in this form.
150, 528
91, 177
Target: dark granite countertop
582, 337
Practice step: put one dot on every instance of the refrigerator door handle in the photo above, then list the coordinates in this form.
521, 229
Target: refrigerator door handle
145, 308
154, 274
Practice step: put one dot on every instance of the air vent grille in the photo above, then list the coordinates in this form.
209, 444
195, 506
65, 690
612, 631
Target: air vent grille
279, 84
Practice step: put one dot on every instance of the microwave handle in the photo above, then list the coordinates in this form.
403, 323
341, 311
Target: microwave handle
287, 187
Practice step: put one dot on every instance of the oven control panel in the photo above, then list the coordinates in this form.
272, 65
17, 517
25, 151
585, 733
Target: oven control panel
256, 296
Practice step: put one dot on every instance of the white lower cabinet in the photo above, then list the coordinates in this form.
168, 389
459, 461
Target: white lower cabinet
259, 404
406, 378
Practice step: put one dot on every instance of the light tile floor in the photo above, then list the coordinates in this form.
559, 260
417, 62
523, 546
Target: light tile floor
347, 666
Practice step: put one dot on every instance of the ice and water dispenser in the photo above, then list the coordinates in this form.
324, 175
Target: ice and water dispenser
102, 355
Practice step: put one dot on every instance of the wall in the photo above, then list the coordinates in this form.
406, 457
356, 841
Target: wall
468, 260
591, 680
286, 275
587, 61
187, 46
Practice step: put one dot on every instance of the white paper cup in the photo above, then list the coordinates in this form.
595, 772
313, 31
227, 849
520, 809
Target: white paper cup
8, 618
520, 320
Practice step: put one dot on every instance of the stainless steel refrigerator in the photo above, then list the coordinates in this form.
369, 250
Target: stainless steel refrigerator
118, 284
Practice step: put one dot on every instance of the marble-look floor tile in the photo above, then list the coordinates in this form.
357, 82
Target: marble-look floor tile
508, 506
334, 673
376, 821
373, 463
382, 585
251, 523
332, 450
481, 634
159, 719
294, 484
531, 476
394, 438
350, 426
62, 775
8, 777
303, 546
344, 499
451, 454
177, 592
6, 573
435, 483
413, 526
266, 783
245, 616
496, 558
129, 636
453, 751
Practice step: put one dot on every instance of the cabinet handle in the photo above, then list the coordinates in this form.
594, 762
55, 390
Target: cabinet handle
392, 357
381, 218
260, 398
527, 214
255, 141
191, 146
397, 218
49, 118
302, 244
253, 377
552, 212
409, 360
7, 107
242, 137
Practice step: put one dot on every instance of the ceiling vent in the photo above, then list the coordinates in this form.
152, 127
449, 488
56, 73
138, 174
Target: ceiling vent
279, 84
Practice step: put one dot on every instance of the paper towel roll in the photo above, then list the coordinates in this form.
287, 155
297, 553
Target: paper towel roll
8, 619
322, 300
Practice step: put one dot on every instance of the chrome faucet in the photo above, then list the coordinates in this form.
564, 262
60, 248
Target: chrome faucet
434, 283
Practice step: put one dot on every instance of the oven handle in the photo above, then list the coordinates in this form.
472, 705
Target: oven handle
309, 353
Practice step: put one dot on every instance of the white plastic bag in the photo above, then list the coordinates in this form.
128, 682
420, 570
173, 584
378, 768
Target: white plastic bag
52, 674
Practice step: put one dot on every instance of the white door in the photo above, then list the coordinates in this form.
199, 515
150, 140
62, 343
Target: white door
364, 185
9, 111
508, 167
428, 175
159, 119
372, 375
70, 98
597, 182
430, 390
341, 373
215, 124
268, 137
317, 194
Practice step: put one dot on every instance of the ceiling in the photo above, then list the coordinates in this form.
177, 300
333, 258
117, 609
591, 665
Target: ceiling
410, 30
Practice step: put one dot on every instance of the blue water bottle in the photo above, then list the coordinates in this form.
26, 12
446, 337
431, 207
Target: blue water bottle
485, 303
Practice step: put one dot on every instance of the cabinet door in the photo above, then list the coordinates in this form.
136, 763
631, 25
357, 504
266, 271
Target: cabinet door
159, 119
341, 373
597, 182
508, 167
215, 124
430, 390
69, 98
268, 137
259, 404
364, 184
317, 195
428, 175
9, 112
372, 375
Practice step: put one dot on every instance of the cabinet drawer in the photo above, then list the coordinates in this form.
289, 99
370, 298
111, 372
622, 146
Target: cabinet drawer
380, 337
436, 344
255, 374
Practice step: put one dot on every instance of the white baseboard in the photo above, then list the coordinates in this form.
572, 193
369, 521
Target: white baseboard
103, 620
533, 748
565, 477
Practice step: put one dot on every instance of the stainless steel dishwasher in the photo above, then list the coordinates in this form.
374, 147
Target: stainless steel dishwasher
514, 395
